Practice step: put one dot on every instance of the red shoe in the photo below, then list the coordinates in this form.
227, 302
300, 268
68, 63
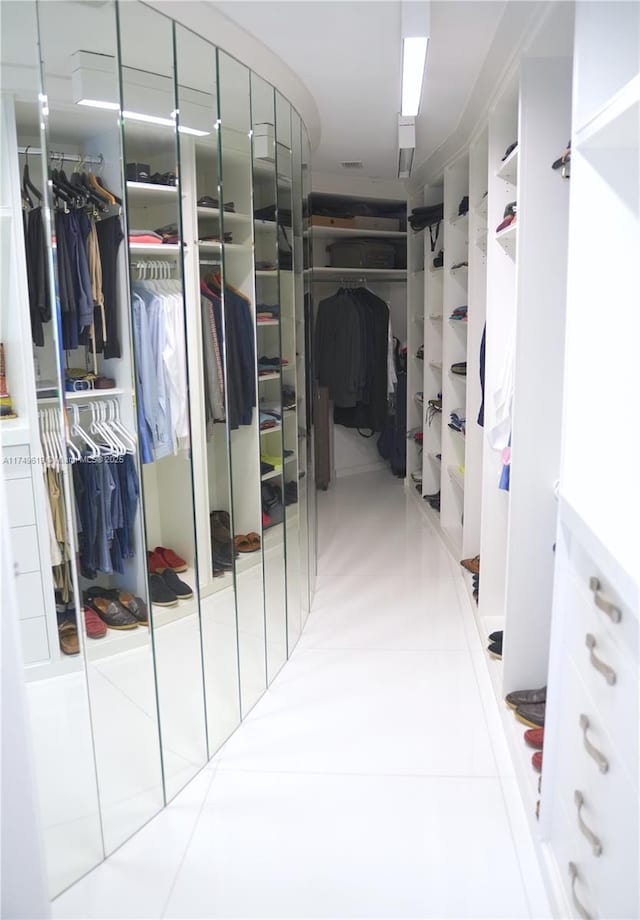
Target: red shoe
266, 520
94, 627
534, 737
536, 760
171, 559
156, 563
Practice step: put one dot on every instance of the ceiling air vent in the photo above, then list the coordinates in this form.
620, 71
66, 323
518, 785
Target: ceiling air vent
352, 164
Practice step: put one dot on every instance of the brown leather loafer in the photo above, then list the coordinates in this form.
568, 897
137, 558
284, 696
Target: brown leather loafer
471, 565
68, 636
524, 697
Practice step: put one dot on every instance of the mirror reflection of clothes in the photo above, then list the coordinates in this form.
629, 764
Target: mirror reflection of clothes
161, 375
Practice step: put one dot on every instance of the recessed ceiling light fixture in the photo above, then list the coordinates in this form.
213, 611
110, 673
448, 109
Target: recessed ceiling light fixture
414, 56
416, 26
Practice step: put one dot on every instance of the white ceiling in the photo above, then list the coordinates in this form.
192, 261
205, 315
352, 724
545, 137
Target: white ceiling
349, 56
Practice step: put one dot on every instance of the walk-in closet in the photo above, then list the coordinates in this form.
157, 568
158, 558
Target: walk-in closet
320, 590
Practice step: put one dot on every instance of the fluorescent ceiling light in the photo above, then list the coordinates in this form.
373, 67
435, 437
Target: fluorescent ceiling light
98, 104
140, 116
414, 54
182, 129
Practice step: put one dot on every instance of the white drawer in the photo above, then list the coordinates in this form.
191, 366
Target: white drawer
24, 542
568, 849
29, 596
16, 462
20, 507
624, 633
610, 808
35, 644
616, 705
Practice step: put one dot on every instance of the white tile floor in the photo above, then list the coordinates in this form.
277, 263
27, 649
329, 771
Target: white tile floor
371, 780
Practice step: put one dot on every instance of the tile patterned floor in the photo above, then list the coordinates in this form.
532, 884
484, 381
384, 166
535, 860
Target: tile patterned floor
372, 780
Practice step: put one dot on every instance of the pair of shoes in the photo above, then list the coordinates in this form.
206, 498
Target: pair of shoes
167, 589
116, 609
471, 565
162, 558
247, 543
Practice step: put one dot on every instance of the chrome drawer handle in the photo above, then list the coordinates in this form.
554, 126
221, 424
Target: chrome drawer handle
596, 846
600, 759
603, 603
608, 673
573, 875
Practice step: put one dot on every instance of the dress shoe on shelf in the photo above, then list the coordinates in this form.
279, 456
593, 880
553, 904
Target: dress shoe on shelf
536, 761
495, 650
534, 737
495, 636
179, 588
68, 638
94, 627
531, 714
520, 697
471, 565
171, 559
135, 605
155, 563
161, 594
109, 610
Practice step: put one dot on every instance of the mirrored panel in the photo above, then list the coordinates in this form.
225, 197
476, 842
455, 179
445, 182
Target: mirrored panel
39, 491
273, 456
307, 324
292, 361
237, 290
301, 383
86, 182
202, 216
155, 249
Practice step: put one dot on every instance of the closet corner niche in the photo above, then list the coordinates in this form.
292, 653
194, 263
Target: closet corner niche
359, 271
157, 439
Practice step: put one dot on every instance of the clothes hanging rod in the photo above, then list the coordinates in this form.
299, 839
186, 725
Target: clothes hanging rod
60, 155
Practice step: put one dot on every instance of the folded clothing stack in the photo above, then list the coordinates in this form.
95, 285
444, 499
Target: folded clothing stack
207, 201
149, 237
265, 311
459, 314
270, 364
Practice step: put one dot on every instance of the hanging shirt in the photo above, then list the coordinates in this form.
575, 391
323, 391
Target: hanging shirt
110, 236
499, 429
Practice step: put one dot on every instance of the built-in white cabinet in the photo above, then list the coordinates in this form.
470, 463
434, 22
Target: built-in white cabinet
555, 293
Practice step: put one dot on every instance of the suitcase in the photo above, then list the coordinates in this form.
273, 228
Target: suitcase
361, 253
